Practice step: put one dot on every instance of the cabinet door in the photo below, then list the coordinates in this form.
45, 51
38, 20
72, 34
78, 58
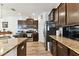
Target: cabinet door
54, 48
21, 49
62, 14
62, 50
51, 47
35, 24
72, 53
35, 36
52, 15
56, 17
29, 21
73, 13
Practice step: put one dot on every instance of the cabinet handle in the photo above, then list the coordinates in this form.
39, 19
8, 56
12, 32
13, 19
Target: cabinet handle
22, 47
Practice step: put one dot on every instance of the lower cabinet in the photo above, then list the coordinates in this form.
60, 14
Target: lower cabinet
62, 50
21, 49
35, 36
54, 52
58, 49
72, 53
51, 47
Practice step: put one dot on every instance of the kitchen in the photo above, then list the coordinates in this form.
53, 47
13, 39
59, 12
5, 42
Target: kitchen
23, 30
65, 41
57, 30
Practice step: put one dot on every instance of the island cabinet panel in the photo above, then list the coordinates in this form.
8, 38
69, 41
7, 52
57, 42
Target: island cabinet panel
72, 13
62, 50
72, 53
21, 49
35, 36
62, 14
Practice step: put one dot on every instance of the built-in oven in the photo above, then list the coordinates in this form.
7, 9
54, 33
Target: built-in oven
71, 32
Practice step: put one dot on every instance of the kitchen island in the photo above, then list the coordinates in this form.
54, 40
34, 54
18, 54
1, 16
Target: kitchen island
13, 47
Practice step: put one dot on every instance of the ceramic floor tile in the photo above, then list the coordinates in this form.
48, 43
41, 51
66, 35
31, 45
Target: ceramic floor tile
36, 49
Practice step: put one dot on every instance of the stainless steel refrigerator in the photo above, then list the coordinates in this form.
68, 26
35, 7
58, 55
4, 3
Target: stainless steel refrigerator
50, 29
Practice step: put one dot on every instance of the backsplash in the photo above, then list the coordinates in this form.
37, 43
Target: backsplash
59, 32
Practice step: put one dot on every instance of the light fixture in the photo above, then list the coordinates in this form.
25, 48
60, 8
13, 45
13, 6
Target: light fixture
1, 17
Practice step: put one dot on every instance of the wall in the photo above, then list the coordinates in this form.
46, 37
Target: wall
41, 28
11, 17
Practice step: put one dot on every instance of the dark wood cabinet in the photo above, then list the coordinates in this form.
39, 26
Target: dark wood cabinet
66, 14
49, 16
29, 21
62, 14
54, 50
35, 36
21, 22
53, 47
56, 17
35, 24
52, 15
72, 13
58, 49
21, 49
72, 53
62, 50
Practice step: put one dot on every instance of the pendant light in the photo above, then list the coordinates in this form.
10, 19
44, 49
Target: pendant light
1, 17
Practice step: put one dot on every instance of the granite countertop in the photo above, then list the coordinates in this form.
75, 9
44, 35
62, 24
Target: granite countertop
7, 45
71, 44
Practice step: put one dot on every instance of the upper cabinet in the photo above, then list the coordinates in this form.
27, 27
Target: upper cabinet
66, 14
51, 15
35, 24
72, 13
62, 14
29, 21
56, 17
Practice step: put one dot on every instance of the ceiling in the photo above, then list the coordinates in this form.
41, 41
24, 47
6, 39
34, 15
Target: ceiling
29, 9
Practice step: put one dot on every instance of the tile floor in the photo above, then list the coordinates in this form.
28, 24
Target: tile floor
36, 49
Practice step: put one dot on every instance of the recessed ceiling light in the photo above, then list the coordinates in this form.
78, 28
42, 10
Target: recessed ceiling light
19, 14
33, 14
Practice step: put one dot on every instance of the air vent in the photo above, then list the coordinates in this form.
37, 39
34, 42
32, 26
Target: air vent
13, 9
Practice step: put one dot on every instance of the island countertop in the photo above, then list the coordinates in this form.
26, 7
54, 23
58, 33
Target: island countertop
70, 43
8, 44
